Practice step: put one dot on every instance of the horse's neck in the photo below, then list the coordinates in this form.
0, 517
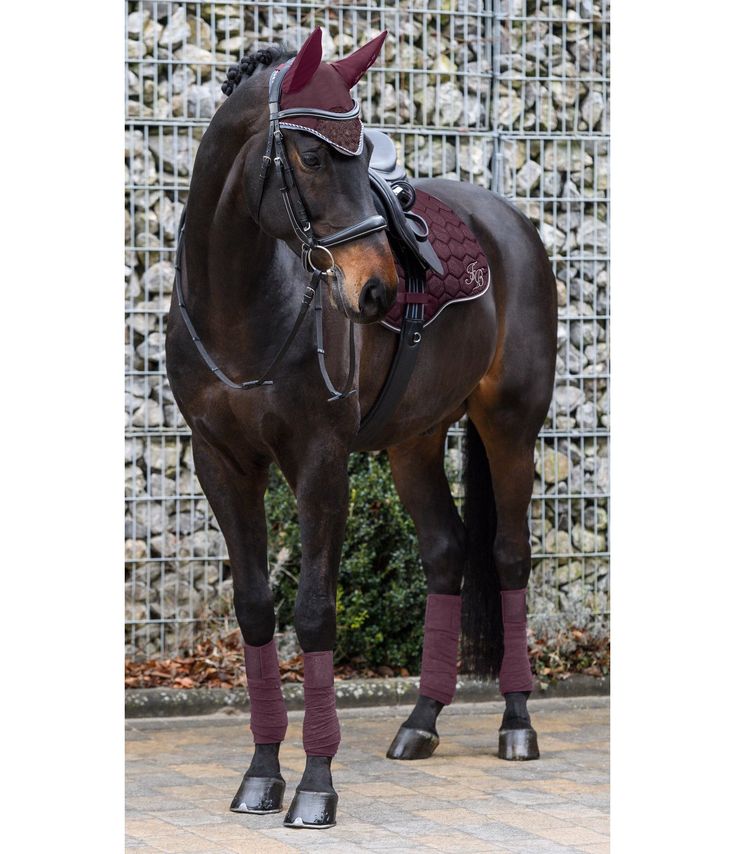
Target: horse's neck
234, 291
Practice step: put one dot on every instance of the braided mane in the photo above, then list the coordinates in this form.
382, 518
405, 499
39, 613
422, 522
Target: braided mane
248, 64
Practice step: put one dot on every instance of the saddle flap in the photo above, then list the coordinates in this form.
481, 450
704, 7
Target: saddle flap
400, 227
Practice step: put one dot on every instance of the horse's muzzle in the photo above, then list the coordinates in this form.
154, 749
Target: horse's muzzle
374, 298
375, 301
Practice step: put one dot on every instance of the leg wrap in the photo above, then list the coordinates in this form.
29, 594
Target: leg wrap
321, 727
441, 637
268, 720
515, 671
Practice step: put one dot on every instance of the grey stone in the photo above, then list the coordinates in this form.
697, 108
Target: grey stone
436, 160
174, 152
135, 549
567, 157
473, 159
150, 518
177, 30
553, 238
588, 541
201, 101
153, 349
593, 108
593, 234
205, 543
567, 397
159, 278
586, 416
134, 481
148, 414
162, 455
528, 176
553, 467
595, 518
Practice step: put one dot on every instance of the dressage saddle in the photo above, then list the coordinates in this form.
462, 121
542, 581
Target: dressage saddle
394, 198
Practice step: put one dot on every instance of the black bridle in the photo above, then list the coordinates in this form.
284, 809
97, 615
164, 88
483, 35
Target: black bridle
275, 152
296, 209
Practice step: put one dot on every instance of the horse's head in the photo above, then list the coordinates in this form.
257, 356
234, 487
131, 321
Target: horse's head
328, 161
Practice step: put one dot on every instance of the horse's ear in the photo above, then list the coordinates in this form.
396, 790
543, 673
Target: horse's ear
352, 67
305, 63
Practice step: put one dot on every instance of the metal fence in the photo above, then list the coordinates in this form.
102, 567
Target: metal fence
511, 94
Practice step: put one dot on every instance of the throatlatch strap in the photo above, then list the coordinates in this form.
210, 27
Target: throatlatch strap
321, 727
441, 638
268, 718
515, 671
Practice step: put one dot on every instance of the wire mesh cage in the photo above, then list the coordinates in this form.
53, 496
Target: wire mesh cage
510, 94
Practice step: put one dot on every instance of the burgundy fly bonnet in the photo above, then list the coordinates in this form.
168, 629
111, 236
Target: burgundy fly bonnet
311, 84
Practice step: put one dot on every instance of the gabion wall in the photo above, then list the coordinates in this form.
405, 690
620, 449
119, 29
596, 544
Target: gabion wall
511, 94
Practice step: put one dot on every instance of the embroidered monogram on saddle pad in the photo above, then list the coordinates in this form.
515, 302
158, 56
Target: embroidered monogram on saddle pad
466, 272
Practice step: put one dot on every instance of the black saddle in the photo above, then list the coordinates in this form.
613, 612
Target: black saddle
394, 196
384, 158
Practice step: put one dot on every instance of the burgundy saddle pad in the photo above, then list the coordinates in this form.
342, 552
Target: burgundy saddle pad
466, 272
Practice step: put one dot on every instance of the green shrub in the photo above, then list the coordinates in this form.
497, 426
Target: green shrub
381, 592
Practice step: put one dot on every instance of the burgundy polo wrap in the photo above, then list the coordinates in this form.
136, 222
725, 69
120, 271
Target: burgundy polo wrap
515, 671
268, 719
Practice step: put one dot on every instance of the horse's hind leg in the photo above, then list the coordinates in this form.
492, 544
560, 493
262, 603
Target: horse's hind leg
235, 491
418, 471
508, 435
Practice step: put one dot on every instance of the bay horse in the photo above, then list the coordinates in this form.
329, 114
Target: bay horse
272, 172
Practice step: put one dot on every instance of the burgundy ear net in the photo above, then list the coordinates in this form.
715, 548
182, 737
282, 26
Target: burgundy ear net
352, 67
304, 65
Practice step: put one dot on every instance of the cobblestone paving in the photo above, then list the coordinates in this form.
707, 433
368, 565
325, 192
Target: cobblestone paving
183, 772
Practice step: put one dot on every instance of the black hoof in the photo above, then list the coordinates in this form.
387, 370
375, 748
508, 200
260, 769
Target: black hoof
518, 744
316, 810
412, 744
261, 795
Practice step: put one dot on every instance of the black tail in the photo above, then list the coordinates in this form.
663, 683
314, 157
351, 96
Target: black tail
482, 623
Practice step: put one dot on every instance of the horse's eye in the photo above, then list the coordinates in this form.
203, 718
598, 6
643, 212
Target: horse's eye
311, 159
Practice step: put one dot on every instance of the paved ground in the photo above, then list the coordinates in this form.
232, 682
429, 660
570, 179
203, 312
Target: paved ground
183, 772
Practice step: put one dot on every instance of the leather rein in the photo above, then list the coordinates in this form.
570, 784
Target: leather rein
296, 210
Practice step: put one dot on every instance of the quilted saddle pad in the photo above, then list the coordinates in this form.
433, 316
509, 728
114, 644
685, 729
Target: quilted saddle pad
466, 272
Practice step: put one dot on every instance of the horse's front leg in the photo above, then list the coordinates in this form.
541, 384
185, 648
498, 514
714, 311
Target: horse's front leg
322, 499
235, 489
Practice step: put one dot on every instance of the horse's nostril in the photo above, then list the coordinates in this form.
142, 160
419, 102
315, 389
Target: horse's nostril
373, 295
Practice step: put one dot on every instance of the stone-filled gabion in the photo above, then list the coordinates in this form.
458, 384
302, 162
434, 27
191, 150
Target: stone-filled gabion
510, 94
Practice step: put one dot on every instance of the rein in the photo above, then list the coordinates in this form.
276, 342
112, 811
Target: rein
310, 291
296, 210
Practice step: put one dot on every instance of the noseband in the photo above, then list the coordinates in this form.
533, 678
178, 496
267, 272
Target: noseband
296, 209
